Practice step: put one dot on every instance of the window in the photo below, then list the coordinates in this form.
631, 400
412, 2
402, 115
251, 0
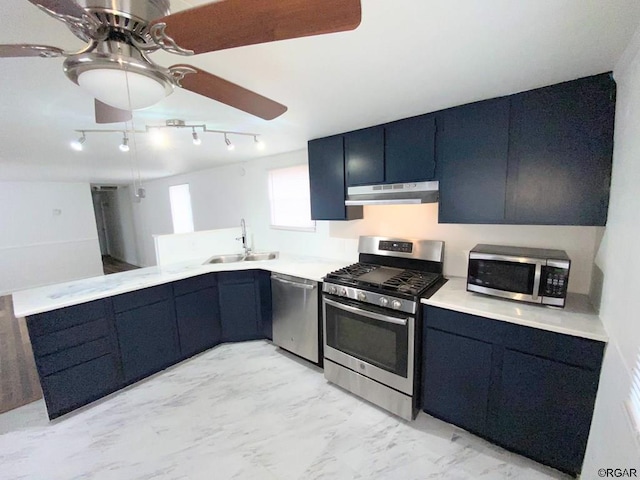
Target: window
633, 402
289, 199
181, 213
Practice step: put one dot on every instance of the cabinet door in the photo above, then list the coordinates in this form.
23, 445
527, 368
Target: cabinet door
473, 145
327, 180
263, 280
410, 150
456, 379
198, 319
148, 339
239, 309
545, 409
364, 156
560, 149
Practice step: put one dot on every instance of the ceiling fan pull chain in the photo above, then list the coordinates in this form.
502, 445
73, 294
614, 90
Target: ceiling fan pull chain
167, 43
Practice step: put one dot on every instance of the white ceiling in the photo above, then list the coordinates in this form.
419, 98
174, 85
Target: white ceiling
407, 57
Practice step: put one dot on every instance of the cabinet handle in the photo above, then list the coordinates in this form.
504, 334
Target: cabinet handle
304, 286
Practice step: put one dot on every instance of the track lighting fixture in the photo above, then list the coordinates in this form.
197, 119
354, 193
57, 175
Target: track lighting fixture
77, 144
124, 146
159, 139
230, 146
196, 139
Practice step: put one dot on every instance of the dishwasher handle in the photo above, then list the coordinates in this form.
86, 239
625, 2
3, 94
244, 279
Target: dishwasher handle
304, 286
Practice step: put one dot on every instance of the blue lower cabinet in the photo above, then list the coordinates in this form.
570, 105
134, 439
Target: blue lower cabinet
76, 355
263, 280
240, 311
148, 339
529, 390
198, 316
79, 385
456, 379
544, 409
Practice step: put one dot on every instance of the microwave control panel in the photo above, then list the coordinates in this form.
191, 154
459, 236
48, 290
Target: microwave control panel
554, 282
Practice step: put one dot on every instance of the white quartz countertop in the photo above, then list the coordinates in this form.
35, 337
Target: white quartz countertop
53, 297
578, 318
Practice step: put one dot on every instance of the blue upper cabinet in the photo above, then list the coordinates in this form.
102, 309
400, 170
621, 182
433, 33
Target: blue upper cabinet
560, 150
541, 157
397, 152
409, 150
473, 149
364, 156
327, 180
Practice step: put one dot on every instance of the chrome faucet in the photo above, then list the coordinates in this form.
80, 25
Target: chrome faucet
247, 249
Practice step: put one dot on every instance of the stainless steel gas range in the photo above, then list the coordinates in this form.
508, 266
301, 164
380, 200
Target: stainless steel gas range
372, 320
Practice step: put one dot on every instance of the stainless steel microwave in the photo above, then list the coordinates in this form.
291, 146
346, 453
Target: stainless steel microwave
533, 275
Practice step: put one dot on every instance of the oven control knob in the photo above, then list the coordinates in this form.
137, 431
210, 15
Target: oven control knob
343, 292
362, 296
332, 290
396, 304
384, 301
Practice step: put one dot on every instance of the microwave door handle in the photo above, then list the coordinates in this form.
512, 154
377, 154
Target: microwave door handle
536, 282
365, 313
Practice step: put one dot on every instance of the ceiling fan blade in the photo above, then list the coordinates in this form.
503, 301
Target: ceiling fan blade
79, 21
234, 23
108, 114
223, 91
24, 50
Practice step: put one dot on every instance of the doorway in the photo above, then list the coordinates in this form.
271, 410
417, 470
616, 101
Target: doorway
114, 222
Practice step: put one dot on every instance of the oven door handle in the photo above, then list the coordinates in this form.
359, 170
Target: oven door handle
365, 313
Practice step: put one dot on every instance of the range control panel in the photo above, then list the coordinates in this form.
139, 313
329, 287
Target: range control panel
404, 247
554, 282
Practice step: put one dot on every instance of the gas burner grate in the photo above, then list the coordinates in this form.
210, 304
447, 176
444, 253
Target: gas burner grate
352, 272
411, 281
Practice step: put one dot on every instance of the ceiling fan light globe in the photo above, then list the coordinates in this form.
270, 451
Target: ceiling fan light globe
121, 89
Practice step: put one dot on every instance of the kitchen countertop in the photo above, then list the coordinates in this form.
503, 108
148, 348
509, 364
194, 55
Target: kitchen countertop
578, 318
53, 297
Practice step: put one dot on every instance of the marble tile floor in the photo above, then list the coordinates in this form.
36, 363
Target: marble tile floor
245, 411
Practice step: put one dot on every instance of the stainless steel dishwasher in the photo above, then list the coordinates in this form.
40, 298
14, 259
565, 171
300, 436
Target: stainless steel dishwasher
295, 315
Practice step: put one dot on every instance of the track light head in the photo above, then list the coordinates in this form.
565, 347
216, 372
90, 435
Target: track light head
230, 146
77, 144
124, 146
196, 140
259, 143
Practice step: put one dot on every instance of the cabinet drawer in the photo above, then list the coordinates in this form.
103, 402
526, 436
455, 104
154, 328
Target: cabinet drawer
577, 351
45, 323
140, 298
471, 326
71, 337
194, 284
71, 357
77, 386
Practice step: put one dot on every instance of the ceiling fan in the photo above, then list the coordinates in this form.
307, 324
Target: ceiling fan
120, 34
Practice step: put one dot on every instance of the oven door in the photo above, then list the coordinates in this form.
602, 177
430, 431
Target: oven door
370, 341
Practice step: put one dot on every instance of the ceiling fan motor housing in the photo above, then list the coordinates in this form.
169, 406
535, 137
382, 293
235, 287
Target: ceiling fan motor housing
132, 16
101, 70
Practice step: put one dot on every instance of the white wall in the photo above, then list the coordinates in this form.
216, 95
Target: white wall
222, 196
48, 234
611, 442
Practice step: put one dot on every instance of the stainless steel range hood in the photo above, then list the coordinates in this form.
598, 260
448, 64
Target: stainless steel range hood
393, 194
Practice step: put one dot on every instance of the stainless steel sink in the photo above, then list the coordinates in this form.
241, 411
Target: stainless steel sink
254, 257
238, 257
